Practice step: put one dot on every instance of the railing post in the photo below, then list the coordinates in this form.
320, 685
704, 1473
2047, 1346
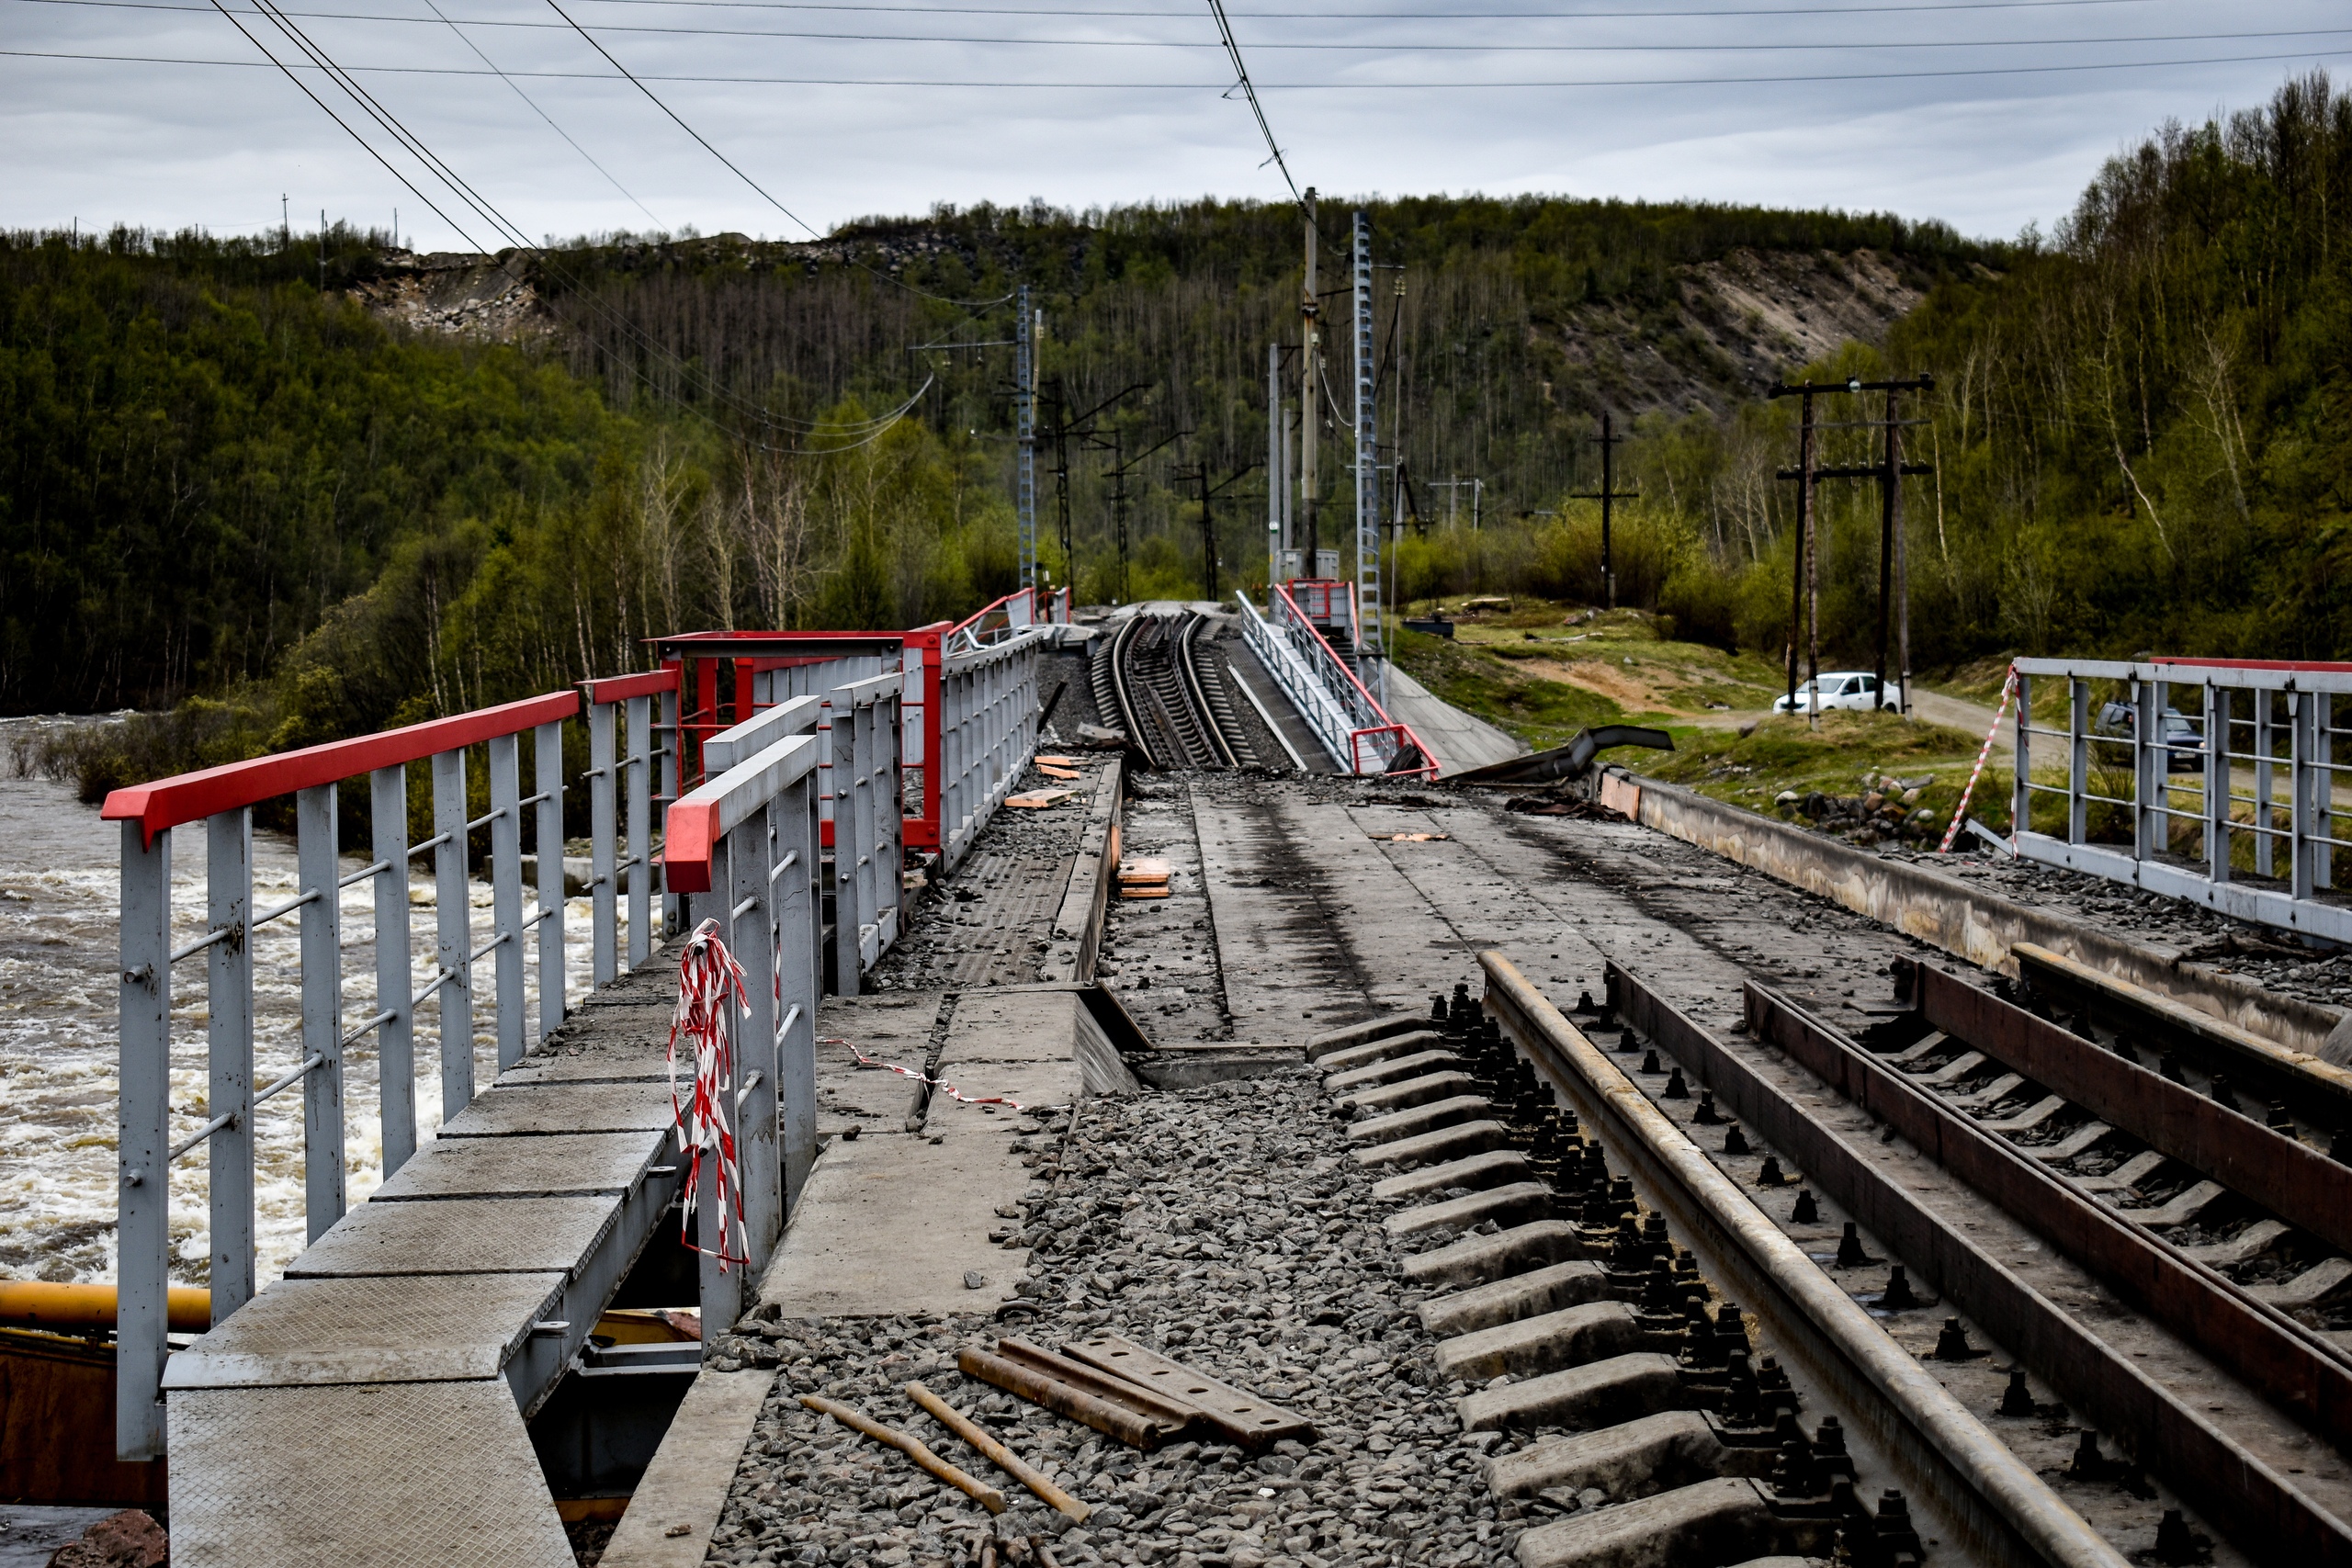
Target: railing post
891, 815
848, 959
2149, 779
322, 1175
453, 929
396, 1036
2021, 785
2320, 756
801, 971
143, 1138
2265, 862
229, 1041
2309, 796
2078, 764
506, 893
672, 781
721, 1284
603, 826
750, 937
547, 768
2217, 781
639, 741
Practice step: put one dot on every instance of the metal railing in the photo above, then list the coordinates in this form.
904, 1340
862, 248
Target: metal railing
223, 799
744, 848
1351, 727
631, 709
2209, 780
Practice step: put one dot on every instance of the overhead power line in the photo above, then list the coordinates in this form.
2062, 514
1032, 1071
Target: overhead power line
1064, 84
1936, 7
467, 39
441, 171
1836, 46
1241, 80
1221, 45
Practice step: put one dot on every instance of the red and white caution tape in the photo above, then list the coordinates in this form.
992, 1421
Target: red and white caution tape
949, 1089
708, 978
1960, 812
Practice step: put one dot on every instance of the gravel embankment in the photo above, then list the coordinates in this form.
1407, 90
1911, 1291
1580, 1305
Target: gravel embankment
1223, 1225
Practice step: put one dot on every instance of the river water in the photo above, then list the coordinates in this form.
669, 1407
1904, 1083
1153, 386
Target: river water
60, 901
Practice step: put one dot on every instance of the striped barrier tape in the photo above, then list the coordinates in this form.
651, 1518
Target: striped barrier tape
1960, 812
708, 976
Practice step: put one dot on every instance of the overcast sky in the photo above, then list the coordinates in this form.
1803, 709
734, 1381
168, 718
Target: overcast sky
1082, 102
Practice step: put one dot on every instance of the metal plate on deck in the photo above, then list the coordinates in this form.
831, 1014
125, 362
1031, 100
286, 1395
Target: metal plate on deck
461, 1236
560, 1165
422, 1328
525, 1110
358, 1477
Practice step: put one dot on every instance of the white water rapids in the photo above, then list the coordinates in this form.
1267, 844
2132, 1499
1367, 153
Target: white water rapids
60, 896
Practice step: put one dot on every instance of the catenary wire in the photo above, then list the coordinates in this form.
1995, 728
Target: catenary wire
1465, 84
1222, 46
482, 206
1241, 80
1941, 8
467, 39
655, 99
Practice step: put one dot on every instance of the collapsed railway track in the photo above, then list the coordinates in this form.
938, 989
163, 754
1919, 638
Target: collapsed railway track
1157, 683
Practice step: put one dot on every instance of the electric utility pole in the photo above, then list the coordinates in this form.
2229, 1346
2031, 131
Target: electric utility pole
1025, 404
1371, 666
1200, 475
1309, 407
1607, 494
1277, 471
1060, 430
1894, 587
1121, 467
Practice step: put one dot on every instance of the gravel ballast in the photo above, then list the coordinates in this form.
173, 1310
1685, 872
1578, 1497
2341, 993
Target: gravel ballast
1223, 1225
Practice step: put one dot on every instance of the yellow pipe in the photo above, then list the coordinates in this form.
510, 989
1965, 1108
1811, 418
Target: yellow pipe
40, 1303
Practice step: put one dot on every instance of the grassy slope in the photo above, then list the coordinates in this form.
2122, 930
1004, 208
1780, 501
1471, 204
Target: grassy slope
1541, 672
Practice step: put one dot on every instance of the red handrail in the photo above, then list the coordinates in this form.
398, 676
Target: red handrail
620, 688
1370, 700
190, 797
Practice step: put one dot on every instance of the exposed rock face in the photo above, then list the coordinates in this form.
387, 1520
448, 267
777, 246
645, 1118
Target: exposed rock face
1741, 321
487, 297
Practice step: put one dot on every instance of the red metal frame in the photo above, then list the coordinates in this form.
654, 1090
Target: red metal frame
190, 797
920, 828
620, 688
751, 653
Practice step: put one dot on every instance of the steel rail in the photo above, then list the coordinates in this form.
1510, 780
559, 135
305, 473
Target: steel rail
1193, 692
2305, 1376
2008, 1513
1119, 693
2304, 1081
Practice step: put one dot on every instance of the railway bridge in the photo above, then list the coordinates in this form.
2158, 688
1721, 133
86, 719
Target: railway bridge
1021, 1091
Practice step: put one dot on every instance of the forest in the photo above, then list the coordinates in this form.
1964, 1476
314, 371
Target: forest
227, 483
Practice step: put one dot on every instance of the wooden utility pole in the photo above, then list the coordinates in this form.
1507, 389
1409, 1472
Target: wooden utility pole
1607, 494
1894, 586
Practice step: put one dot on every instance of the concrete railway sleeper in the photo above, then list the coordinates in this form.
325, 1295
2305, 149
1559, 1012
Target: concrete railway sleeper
1714, 1435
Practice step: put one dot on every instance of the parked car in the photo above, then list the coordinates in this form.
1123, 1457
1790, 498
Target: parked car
2184, 746
1842, 689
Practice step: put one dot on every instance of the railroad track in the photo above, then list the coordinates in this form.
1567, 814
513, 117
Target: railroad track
1592, 1270
1158, 685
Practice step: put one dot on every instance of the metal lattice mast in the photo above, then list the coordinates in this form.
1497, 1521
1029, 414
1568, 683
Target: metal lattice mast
1024, 400
1368, 637
1277, 468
